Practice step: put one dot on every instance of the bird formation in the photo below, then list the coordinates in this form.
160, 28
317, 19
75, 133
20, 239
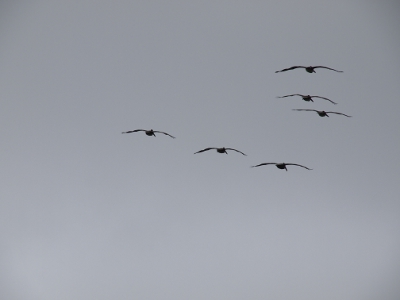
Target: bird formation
281, 166
309, 98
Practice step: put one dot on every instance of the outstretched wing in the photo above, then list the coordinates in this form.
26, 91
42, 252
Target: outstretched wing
165, 133
235, 150
263, 164
323, 98
299, 109
299, 166
136, 130
291, 95
338, 113
327, 68
205, 150
288, 69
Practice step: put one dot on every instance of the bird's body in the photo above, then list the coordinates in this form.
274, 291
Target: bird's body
150, 132
281, 165
323, 113
308, 97
219, 150
310, 69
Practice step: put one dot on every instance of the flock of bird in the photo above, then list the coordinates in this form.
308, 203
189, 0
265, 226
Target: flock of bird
308, 98
282, 166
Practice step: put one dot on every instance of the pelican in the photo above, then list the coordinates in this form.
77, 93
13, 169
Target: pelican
309, 69
219, 150
323, 113
281, 165
308, 97
150, 132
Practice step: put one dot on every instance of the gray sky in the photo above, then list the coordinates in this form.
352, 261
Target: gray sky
89, 213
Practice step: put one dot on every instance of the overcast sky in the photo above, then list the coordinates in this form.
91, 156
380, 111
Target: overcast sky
89, 213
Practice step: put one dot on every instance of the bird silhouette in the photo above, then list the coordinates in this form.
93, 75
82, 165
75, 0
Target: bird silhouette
219, 150
281, 165
150, 132
308, 97
323, 113
310, 69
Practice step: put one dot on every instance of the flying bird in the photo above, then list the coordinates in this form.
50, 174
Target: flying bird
219, 150
309, 69
323, 113
308, 97
150, 132
281, 165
